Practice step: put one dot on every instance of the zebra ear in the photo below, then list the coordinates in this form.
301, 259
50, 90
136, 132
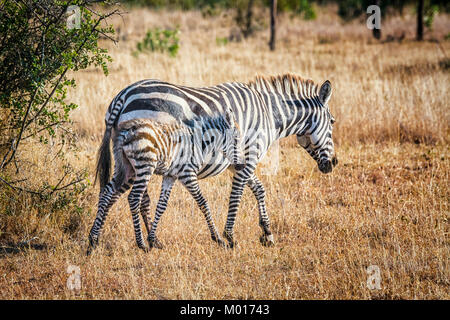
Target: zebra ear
325, 92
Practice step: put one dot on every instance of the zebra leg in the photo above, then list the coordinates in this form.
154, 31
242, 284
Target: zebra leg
191, 184
134, 200
240, 179
166, 188
257, 188
108, 196
145, 211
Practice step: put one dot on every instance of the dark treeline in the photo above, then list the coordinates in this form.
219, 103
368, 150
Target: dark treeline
347, 10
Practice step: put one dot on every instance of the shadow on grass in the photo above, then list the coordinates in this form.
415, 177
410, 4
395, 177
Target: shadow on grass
15, 248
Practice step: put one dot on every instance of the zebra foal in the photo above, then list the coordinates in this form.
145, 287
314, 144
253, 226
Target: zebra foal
175, 150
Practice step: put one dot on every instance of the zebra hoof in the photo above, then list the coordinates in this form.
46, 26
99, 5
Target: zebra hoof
267, 240
155, 244
91, 246
90, 249
221, 243
218, 240
145, 249
231, 243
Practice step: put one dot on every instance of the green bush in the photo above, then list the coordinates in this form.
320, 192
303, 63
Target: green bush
430, 13
159, 40
303, 8
38, 48
222, 41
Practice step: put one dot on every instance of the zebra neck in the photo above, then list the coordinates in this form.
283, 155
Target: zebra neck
292, 115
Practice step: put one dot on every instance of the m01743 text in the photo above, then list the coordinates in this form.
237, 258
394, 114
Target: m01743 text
237, 309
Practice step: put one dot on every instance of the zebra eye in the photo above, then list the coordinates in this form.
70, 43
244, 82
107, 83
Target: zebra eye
332, 120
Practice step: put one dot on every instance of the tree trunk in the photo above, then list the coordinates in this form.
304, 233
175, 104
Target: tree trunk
420, 20
248, 23
377, 32
273, 14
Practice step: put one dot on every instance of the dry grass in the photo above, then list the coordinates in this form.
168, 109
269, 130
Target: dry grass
386, 204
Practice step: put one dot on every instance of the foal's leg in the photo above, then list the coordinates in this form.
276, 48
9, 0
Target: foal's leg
134, 200
166, 188
108, 196
145, 211
260, 194
191, 184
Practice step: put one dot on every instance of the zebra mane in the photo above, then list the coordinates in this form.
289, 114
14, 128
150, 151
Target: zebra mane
286, 84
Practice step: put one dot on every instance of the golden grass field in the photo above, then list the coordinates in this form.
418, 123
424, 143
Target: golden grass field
385, 204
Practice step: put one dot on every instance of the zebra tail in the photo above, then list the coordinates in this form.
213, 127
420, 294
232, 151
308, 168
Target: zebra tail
103, 171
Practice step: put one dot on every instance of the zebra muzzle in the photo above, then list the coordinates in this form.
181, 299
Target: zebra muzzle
326, 166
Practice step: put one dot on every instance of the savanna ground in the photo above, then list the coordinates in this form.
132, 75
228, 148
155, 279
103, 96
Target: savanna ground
385, 204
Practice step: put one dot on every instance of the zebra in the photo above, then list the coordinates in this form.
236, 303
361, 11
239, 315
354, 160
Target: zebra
176, 151
266, 109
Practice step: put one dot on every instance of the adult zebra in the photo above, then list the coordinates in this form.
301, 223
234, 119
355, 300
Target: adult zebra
266, 109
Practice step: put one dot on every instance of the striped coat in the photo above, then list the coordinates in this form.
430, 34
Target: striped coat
266, 109
143, 147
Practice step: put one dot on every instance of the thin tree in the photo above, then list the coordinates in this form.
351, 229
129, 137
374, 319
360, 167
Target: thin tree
273, 14
375, 31
244, 17
248, 23
420, 7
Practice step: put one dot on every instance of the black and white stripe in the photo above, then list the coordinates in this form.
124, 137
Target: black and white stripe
143, 147
265, 110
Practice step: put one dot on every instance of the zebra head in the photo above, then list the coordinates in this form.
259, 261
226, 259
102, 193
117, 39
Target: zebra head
317, 140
